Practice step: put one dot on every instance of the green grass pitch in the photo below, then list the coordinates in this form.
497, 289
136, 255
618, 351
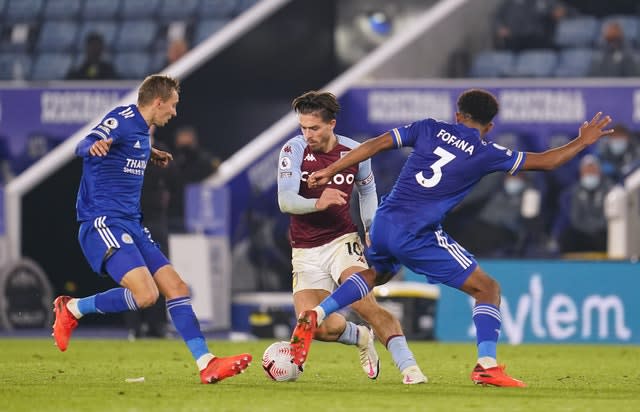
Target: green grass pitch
90, 376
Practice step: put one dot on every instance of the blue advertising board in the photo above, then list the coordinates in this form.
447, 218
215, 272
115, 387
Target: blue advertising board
553, 301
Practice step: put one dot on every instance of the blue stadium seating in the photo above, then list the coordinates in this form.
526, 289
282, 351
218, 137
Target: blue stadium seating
535, 63
132, 65
171, 10
136, 35
14, 66
57, 36
51, 66
139, 9
100, 9
108, 30
61, 9
218, 9
492, 63
23, 10
206, 28
577, 32
574, 62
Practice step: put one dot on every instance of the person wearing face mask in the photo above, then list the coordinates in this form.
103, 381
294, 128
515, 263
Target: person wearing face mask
193, 164
587, 225
614, 58
619, 154
499, 228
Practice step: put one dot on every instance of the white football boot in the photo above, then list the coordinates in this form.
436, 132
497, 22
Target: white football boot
369, 359
413, 375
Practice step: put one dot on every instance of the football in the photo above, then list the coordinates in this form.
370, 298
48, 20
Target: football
277, 363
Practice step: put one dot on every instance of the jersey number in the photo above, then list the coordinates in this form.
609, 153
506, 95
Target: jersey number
445, 157
354, 248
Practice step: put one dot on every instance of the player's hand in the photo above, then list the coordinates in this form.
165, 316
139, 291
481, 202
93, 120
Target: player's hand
331, 197
591, 131
319, 178
160, 157
101, 147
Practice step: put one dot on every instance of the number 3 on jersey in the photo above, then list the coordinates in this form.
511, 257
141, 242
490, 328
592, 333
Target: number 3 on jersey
445, 157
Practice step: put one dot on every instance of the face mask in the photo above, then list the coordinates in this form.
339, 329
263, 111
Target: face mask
618, 146
513, 186
590, 182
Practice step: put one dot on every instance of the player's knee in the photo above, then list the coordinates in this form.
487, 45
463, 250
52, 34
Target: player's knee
146, 298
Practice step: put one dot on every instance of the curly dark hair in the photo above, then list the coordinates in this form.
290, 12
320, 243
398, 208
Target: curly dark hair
478, 104
324, 104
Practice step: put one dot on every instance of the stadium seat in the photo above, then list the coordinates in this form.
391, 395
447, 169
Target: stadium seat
51, 66
171, 10
57, 36
100, 9
492, 63
206, 28
17, 37
23, 10
218, 9
14, 66
132, 65
630, 26
139, 9
574, 62
535, 63
136, 35
577, 32
61, 9
108, 30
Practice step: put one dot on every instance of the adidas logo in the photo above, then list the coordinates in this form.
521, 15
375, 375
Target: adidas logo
137, 145
310, 157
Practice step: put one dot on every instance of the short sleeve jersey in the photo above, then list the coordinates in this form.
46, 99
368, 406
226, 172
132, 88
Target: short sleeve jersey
297, 161
446, 162
111, 185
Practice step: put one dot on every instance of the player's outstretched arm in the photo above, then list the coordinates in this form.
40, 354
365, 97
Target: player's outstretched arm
357, 155
588, 134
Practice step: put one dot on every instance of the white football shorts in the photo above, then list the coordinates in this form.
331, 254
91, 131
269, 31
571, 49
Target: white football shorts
320, 267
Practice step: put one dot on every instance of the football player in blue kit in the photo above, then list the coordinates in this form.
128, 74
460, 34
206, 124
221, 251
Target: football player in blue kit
112, 236
446, 162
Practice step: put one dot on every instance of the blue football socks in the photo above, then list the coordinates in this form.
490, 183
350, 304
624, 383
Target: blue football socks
487, 320
352, 290
187, 325
112, 301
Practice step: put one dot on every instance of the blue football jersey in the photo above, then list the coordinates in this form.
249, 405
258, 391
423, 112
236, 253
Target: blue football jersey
111, 185
447, 160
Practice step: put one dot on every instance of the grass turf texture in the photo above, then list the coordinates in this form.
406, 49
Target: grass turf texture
91, 375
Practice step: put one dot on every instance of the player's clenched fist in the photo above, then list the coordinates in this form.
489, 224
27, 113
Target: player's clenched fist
100, 147
319, 178
331, 197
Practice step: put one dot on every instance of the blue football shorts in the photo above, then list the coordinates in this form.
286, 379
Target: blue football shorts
115, 246
433, 254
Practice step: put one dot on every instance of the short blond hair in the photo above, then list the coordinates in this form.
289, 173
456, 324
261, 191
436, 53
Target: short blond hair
157, 85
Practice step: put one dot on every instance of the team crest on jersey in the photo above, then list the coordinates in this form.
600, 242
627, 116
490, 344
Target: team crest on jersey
287, 149
111, 123
126, 238
285, 163
343, 154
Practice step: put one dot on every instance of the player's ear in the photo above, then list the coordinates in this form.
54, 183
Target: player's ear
459, 117
488, 127
332, 123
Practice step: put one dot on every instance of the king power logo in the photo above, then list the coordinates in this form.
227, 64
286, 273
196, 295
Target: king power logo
561, 317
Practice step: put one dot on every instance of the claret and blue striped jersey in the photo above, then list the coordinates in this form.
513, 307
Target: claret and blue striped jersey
447, 161
111, 185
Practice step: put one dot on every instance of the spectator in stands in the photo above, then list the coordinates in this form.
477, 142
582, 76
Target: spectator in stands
601, 8
177, 48
614, 57
501, 228
527, 24
587, 225
94, 66
619, 154
193, 164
